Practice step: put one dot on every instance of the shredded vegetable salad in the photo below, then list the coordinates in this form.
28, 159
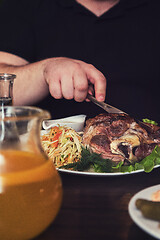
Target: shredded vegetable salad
62, 145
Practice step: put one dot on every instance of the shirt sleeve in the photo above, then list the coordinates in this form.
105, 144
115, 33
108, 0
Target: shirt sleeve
17, 28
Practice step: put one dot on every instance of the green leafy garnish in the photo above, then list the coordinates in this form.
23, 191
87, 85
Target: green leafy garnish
90, 160
146, 120
147, 163
98, 164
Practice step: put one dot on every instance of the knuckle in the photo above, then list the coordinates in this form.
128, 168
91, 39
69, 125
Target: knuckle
76, 66
82, 87
90, 66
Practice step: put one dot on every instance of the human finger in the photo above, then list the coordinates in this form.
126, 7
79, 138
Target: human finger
55, 87
67, 86
80, 85
97, 78
90, 91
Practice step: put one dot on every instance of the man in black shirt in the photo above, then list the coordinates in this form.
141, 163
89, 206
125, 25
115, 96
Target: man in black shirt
120, 38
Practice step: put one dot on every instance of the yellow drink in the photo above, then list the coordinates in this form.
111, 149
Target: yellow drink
30, 194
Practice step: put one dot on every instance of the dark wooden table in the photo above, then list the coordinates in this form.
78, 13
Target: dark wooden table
97, 207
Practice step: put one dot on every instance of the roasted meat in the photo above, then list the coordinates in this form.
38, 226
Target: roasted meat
120, 138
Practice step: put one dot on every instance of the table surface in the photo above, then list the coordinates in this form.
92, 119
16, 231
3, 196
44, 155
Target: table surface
96, 207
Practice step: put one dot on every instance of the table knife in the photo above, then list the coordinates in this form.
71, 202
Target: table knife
108, 108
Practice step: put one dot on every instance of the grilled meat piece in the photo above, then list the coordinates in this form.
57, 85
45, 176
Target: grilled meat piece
119, 137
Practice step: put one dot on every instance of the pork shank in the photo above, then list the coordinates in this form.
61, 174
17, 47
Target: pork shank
120, 138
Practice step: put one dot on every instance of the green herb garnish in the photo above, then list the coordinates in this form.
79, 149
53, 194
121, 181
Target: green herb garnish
98, 164
147, 163
90, 160
146, 120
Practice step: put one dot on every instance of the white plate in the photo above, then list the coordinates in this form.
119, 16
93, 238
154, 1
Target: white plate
95, 173
149, 226
101, 174
98, 174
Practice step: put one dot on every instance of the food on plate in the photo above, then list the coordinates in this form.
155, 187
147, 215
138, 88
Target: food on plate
62, 145
90, 162
110, 143
120, 138
156, 196
146, 120
149, 209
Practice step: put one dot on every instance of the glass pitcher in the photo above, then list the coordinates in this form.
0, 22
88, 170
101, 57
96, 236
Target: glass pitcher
30, 186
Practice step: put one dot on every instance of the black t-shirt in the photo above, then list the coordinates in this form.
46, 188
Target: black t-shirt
124, 43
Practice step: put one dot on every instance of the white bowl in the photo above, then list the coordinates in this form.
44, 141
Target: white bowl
75, 122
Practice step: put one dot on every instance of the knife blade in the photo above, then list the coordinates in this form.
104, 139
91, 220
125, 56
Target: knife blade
108, 108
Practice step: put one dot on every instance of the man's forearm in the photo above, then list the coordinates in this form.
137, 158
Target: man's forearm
29, 85
61, 77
